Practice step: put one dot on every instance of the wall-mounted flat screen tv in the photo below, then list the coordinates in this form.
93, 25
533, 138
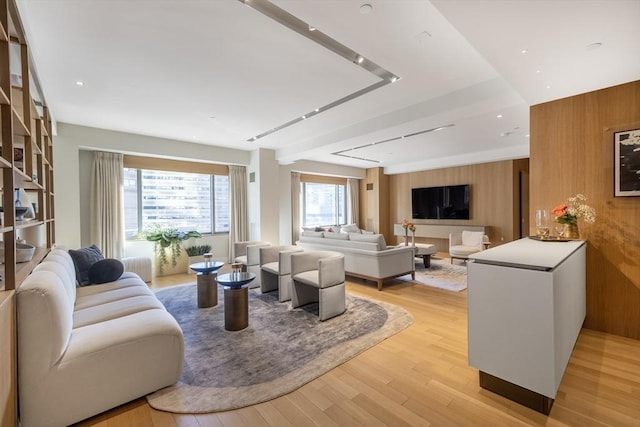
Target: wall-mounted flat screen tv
446, 202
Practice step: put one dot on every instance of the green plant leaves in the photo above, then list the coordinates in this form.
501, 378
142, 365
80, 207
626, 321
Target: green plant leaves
168, 238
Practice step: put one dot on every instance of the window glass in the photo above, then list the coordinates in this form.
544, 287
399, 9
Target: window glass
323, 204
186, 201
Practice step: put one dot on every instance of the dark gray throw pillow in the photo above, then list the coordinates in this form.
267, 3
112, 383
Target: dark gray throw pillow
83, 259
106, 270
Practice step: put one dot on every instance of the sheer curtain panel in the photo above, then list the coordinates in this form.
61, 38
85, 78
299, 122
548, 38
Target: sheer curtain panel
353, 200
295, 207
107, 204
238, 218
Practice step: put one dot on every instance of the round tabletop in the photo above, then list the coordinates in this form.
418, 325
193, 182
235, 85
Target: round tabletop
235, 280
206, 266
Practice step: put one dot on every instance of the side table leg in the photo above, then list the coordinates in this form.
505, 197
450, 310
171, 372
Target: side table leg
236, 308
207, 290
426, 260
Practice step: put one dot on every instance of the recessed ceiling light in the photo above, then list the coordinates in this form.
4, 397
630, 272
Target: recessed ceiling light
394, 79
526, 136
304, 117
538, 71
365, 9
359, 59
524, 51
548, 86
79, 83
312, 28
499, 116
316, 110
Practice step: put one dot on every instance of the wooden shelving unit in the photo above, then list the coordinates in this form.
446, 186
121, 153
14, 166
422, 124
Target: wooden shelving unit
26, 162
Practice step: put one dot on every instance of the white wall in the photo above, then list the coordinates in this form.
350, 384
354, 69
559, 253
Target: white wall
263, 196
72, 172
269, 196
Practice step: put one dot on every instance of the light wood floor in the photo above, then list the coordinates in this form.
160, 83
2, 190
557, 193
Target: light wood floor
421, 377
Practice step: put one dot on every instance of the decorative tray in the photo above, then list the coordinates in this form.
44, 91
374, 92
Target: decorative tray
551, 238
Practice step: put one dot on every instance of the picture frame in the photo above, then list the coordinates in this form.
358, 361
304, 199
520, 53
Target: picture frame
627, 162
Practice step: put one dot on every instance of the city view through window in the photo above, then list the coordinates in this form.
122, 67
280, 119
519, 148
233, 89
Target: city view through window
323, 204
185, 201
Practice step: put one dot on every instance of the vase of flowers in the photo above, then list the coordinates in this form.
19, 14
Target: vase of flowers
408, 226
569, 213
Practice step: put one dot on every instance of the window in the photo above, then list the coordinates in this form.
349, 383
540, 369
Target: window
186, 201
323, 204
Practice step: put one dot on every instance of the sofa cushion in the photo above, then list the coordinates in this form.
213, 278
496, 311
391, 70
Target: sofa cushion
313, 233
115, 309
336, 236
83, 259
350, 228
472, 238
105, 270
378, 239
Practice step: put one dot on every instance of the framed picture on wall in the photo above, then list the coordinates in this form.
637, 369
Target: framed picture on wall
627, 162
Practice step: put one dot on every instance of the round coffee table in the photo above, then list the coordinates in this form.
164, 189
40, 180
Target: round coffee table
236, 299
207, 288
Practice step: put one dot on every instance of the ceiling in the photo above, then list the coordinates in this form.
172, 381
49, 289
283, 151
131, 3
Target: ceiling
220, 72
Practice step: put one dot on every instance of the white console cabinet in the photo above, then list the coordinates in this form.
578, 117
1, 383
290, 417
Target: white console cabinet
527, 303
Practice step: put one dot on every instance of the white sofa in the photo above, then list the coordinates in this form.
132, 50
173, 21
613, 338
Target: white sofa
365, 255
84, 350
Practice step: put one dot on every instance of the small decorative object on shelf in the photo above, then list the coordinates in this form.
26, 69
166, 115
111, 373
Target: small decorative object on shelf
409, 226
569, 213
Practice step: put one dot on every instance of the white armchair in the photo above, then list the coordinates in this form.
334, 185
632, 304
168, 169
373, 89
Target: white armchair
461, 245
248, 253
318, 276
275, 270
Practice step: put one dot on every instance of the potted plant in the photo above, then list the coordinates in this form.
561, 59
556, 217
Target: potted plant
168, 238
196, 254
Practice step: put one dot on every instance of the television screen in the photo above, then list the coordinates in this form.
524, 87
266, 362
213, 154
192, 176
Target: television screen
446, 202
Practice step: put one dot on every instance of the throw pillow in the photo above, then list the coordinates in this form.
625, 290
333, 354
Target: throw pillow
350, 228
83, 259
105, 270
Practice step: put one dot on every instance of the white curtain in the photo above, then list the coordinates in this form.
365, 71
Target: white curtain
107, 204
238, 216
295, 207
353, 200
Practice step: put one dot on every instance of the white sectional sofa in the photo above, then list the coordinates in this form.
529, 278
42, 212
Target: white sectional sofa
365, 255
84, 350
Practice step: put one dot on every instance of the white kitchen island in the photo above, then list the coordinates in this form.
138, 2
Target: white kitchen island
527, 303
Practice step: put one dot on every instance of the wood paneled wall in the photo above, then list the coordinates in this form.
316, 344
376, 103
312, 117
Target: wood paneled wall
572, 152
495, 197
374, 202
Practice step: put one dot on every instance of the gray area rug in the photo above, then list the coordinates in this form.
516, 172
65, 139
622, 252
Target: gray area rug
442, 274
281, 350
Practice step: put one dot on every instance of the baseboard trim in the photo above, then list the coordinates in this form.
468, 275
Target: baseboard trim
521, 395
